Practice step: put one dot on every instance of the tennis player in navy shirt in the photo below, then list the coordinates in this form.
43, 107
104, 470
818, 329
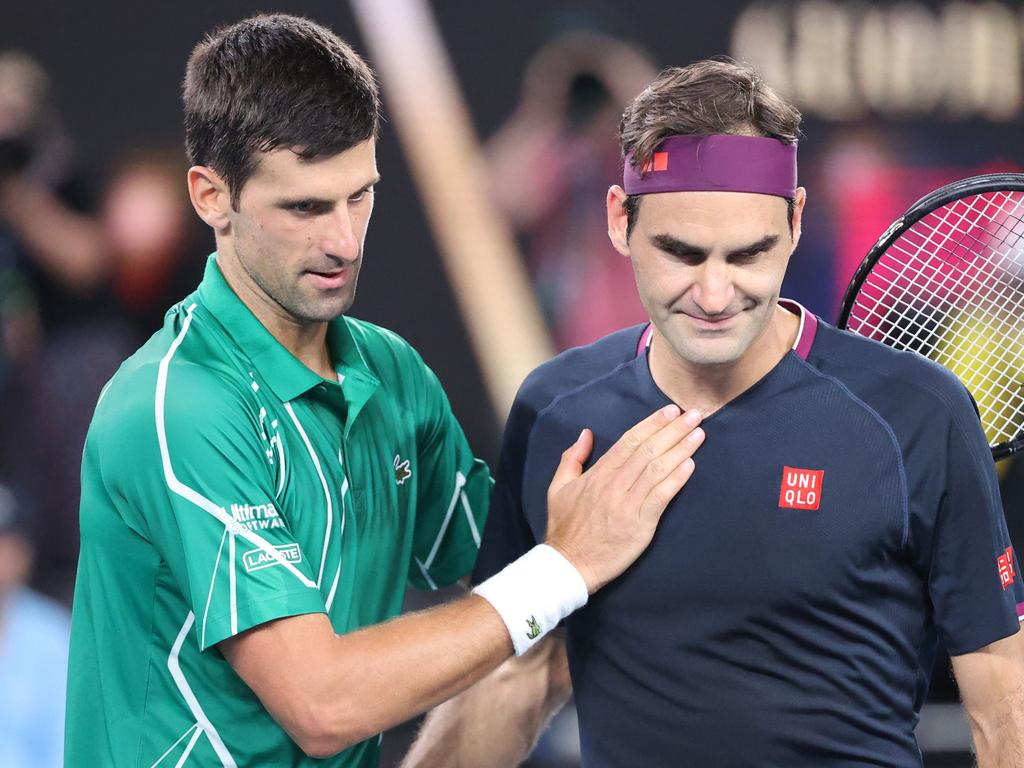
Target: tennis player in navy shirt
842, 521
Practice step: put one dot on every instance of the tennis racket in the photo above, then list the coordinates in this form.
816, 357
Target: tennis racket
946, 280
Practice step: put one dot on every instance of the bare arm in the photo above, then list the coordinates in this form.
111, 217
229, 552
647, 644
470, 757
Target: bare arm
496, 723
68, 245
991, 684
331, 691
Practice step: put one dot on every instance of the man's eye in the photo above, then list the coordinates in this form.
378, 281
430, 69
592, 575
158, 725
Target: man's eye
303, 206
360, 196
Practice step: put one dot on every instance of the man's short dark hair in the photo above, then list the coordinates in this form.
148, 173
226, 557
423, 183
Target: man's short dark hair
274, 81
707, 97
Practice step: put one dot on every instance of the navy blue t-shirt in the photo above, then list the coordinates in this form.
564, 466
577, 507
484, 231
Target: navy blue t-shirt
842, 520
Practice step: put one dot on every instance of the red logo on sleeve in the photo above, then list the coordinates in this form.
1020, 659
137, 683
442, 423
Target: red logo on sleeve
1007, 573
801, 488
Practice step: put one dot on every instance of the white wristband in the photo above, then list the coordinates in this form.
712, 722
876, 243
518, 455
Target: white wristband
533, 594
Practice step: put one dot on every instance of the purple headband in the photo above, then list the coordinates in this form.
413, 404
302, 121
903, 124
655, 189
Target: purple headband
717, 163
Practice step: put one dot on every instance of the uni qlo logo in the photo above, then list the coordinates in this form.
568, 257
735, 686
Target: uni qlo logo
659, 162
801, 488
1007, 573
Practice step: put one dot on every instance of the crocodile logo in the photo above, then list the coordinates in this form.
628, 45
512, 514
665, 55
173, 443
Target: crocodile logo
402, 470
534, 632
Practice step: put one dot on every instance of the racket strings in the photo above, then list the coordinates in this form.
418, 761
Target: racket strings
952, 288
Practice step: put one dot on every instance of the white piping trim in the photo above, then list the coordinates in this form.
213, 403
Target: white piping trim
800, 331
426, 575
323, 482
188, 493
460, 481
193, 727
341, 534
470, 519
174, 666
280, 464
213, 580
188, 749
103, 392
231, 582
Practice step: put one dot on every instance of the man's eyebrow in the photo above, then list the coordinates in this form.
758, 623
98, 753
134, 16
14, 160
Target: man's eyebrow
766, 243
677, 247
323, 201
371, 183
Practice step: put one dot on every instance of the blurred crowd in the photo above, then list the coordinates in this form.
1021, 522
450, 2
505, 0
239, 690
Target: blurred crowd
87, 269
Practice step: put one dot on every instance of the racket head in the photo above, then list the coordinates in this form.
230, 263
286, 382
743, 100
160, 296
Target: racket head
946, 280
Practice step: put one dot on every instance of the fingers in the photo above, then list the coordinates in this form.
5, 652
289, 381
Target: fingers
650, 457
663, 492
631, 441
664, 467
571, 465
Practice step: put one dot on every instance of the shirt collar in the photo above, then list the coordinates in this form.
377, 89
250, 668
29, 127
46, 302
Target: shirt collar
286, 375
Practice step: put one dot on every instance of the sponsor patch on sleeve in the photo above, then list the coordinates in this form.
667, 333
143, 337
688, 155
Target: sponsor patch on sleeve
1007, 573
256, 559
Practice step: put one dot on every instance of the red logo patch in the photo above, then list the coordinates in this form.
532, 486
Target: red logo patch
1007, 573
801, 488
657, 163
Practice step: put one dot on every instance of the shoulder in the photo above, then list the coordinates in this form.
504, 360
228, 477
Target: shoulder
887, 379
580, 367
383, 350
176, 376
574, 371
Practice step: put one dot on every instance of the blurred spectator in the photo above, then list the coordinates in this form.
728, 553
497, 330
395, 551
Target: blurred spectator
44, 224
552, 164
150, 230
34, 633
55, 254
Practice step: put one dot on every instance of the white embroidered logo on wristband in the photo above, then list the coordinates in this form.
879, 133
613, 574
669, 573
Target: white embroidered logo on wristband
533, 594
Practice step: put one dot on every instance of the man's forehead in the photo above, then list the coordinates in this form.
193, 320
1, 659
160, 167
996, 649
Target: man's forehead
355, 165
699, 206
713, 214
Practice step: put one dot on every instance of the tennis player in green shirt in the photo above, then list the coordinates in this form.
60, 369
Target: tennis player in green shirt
263, 478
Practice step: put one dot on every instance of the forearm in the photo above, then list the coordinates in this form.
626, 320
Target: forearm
68, 245
991, 682
346, 688
495, 723
413, 663
999, 737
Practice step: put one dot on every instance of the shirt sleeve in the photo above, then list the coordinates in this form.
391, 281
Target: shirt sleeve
507, 535
208, 506
452, 492
973, 577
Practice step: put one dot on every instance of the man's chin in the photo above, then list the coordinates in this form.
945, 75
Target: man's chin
325, 311
710, 351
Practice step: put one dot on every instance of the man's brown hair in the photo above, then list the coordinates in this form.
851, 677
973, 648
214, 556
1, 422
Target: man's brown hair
707, 97
274, 81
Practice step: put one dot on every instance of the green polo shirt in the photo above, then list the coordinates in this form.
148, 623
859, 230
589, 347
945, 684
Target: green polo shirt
224, 484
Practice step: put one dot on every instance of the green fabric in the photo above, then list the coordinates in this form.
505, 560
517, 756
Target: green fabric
224, 484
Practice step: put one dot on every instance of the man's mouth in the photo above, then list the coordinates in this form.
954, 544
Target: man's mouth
332, 279
714, 323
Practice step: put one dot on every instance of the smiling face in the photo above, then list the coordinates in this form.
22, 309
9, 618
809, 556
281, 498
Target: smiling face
293, 248
708, 266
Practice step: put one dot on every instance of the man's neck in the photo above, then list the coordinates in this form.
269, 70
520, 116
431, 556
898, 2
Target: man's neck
307, 341
709, 387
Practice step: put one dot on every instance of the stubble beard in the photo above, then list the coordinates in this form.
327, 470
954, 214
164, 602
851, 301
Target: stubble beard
286, 291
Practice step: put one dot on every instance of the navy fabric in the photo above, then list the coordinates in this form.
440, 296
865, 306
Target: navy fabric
751, 633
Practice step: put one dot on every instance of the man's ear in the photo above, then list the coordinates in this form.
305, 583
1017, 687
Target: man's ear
799, 201
210, 196
617, 219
